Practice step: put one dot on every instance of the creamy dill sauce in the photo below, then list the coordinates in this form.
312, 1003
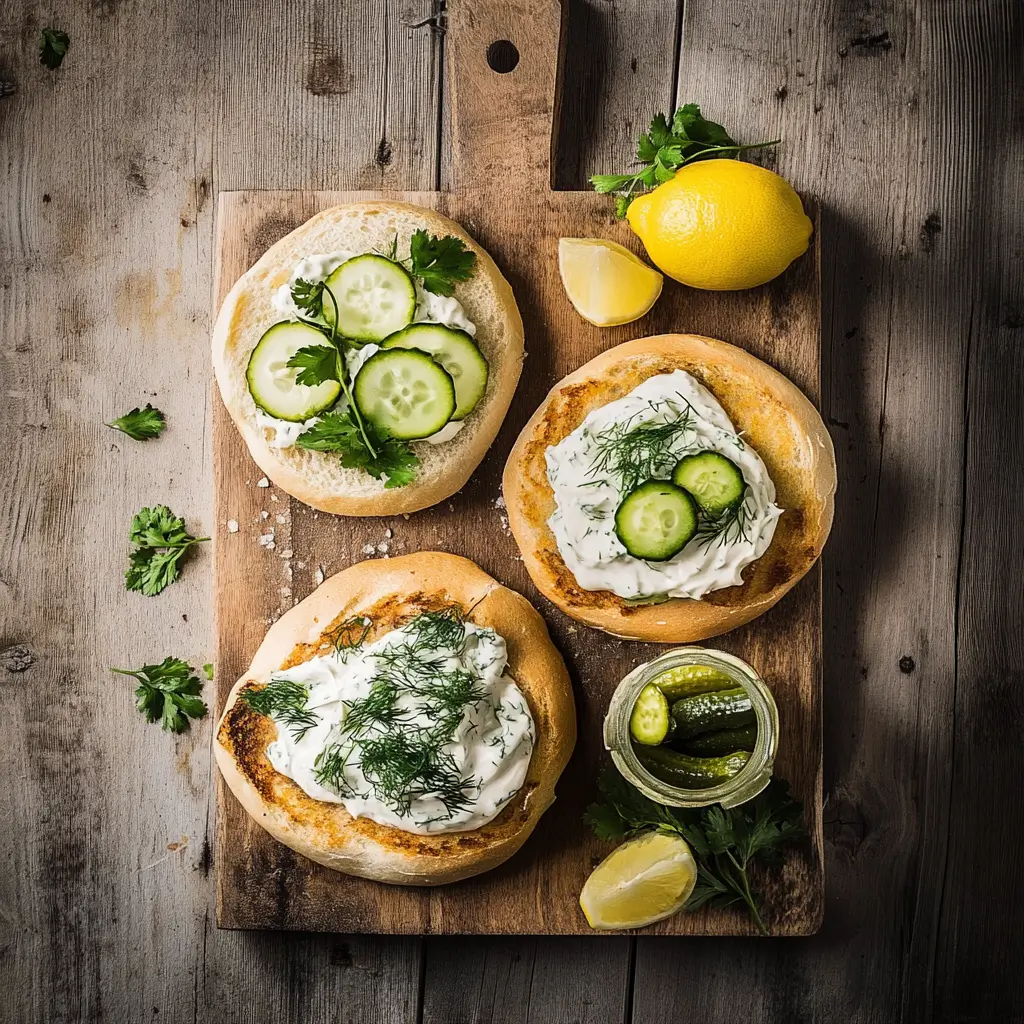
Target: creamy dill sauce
430, 309
590, 476
434, 693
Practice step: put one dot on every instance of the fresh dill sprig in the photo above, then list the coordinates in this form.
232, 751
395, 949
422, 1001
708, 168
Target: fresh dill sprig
632, 453
285, 701
728, 528
350, 634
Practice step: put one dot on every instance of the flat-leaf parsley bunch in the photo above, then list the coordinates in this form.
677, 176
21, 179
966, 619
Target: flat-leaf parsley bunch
725, 842
665, 148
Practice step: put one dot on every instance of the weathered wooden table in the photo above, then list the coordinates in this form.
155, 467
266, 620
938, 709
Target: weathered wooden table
904, 118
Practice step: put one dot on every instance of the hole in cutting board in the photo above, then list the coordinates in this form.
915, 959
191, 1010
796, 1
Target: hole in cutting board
502, 56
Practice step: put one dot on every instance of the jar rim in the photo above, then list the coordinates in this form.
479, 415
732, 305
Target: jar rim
746, 783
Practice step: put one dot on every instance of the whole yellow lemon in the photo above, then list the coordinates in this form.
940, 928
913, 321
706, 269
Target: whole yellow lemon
722, 225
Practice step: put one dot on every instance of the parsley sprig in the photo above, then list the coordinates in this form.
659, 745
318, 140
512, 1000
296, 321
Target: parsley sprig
440, 262
168, 693
161, 542
140, 424
361, 444
53, 44
665, 148
725, 842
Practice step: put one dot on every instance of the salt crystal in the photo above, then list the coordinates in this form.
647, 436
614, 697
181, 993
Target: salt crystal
263, 482
369, 549
232, 526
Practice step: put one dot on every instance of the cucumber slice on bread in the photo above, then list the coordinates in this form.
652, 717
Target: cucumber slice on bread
716, 483
375, 298
655, 520
405, 393
272, 382
457, 352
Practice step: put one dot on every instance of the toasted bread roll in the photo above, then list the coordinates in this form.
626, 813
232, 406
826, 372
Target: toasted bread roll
772, 415
390, 592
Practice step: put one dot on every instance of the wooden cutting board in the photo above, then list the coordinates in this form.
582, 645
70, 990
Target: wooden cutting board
502, 127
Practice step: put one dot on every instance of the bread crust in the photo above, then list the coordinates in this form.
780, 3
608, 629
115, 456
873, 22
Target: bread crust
317, 478
391, 591
773, 415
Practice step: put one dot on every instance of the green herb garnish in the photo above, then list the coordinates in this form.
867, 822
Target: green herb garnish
168, 693
140, 424
161, 541
361, 444
728, 528
725, 843
440, 262
285, 701
53, 44
208, 670
632, 453
667, 147
369, 449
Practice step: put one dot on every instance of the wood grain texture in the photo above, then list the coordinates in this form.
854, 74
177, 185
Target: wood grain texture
260, 882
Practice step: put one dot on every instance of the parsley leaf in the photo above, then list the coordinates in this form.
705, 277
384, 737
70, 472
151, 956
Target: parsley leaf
440, 262
338, 432
725, 842
308, 296
208, 670
161, 541
316, 364
168, 693
665, 148
53, 44
141, 424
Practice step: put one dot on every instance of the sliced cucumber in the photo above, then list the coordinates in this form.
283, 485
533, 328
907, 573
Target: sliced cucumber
375, 297
655, 520
456, 352
649, 722
715, 482
272, 382
405, 393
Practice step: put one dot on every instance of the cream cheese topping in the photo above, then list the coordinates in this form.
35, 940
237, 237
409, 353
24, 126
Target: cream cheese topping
588, 490
430, 309
481, 747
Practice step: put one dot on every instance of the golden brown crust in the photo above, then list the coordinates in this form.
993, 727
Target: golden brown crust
390, 591
317, 478
775, 418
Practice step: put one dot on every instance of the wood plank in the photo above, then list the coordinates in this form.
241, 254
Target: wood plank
106, 225
977, 962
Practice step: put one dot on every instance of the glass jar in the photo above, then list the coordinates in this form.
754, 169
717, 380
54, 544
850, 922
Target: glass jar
743, 786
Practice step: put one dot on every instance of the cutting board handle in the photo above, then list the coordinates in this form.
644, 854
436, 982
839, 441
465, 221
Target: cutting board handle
504, 67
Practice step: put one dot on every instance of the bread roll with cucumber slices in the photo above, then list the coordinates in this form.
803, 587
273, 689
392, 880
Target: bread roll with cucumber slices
406, 722
428, 347
671, 489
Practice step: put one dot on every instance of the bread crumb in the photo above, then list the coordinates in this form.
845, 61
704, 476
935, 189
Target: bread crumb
232, 526
263, 482
267, 541
369, 549
388, 533
382, 548
499, 501
318, 576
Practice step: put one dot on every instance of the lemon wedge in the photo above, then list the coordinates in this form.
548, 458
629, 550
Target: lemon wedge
643, 881
606, 283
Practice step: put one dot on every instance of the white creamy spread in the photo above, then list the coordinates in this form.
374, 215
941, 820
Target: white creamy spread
588, 490
430, 309
481, 746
